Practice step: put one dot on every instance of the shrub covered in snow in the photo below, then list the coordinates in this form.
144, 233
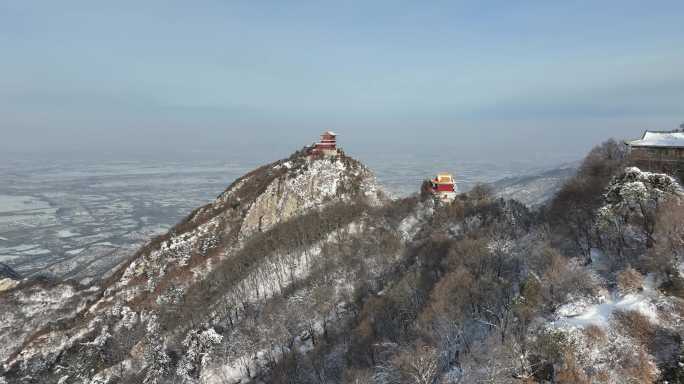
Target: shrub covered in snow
626, 222
199, 345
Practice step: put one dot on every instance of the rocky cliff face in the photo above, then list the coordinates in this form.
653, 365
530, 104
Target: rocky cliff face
305, 185
70, 332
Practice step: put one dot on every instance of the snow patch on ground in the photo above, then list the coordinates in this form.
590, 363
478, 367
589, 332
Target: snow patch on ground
10, 203
66, 233
20, 248
410, 225
582, 312
75, 251
6, 284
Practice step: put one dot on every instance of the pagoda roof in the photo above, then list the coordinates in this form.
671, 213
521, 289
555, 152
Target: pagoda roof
444, 178
331, 133
660, 139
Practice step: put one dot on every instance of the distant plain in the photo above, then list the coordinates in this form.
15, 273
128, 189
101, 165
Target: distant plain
79, 219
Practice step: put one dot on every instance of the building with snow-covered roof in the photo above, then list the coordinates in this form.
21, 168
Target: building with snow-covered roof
661, 151
659, 139
327, 146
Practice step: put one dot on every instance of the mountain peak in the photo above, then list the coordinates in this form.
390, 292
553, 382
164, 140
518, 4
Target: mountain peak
285, 188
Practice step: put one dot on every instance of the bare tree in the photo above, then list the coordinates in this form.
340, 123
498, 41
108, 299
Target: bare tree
420, 365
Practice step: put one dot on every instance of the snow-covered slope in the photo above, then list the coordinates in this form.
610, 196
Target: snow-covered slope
129, 308
302, 271
631, 326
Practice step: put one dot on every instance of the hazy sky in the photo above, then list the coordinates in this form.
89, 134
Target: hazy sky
479, 78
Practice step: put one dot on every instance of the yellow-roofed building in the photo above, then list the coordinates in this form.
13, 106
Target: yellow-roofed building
444, 186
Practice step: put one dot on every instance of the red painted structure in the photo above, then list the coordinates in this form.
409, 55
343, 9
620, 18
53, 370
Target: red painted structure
328, 141
444, 182
327, 145
444, 188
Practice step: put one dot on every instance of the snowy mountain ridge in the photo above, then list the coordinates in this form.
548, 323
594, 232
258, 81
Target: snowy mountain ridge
303, 271
168, 265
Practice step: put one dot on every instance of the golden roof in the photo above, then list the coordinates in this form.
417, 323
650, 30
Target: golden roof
444, 178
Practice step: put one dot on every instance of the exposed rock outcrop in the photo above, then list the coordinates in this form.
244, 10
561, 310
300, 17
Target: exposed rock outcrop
8, 277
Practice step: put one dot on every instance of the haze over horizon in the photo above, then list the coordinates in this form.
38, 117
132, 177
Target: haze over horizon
503, 80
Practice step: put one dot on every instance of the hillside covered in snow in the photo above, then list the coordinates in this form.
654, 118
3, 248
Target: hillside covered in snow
303, 271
